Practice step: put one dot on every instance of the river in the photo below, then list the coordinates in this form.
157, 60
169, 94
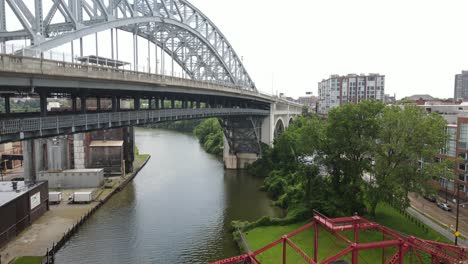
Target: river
177, 210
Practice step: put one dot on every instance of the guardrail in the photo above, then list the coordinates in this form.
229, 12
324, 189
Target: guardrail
115, 119
41, 66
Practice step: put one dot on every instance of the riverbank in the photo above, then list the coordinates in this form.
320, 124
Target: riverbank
56, 223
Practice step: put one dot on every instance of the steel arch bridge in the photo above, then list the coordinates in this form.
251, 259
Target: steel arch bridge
175, 26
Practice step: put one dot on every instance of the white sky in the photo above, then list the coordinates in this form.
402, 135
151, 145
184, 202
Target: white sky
418, 44
289, 46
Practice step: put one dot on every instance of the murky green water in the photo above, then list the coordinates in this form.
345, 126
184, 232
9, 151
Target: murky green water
177, 210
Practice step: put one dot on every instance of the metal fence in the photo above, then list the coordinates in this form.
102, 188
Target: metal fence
38, 124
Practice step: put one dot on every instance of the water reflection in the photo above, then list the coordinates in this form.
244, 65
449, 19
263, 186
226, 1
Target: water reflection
178, 209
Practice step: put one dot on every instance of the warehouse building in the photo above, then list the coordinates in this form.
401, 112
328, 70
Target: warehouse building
21, 203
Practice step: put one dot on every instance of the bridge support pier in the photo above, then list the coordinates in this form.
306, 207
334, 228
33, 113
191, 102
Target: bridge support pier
7, 104
29, 162
44, 154
241, 141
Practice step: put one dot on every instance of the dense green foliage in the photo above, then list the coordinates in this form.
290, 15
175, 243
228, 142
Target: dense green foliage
210, 135
361, 155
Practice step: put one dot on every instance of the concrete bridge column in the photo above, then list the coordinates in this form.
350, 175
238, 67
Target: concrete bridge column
198, 104
241, 141
162, 102
33, 158
74, 105
98, 103
7, 104
172, 103
268, 127
156, 103
136, 103
150, 103
84, 106
114, 104
79, 150
43, 103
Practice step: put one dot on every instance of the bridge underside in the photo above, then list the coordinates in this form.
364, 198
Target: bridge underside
242, 140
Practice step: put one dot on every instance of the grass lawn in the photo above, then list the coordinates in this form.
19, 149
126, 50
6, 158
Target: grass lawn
28, 260
328, 245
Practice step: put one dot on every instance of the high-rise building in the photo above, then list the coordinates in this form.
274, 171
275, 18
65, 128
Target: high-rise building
461, 86
310, 101
352, 88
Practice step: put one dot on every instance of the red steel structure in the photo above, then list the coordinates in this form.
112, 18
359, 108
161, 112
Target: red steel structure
437, 252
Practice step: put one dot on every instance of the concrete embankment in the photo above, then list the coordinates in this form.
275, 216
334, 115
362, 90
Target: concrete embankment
58, 224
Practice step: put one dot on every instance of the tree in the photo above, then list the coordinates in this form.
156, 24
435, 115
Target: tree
349, 142
408, 140
210, 135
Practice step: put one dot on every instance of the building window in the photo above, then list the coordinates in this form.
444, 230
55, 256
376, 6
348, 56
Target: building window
462, 166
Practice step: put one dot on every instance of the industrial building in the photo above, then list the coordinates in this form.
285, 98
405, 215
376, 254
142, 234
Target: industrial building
21, 203
352, 88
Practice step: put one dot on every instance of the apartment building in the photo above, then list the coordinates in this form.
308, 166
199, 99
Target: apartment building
352, 88
455, 147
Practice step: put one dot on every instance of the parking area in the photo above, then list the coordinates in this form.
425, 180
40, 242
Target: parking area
446, 218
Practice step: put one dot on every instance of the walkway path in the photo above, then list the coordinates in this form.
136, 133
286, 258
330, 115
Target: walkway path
436, 227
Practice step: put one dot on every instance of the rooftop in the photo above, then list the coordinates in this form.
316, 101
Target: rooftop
8, 192
106, 143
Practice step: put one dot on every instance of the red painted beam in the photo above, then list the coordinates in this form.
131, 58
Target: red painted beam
380, 244
232, 260
297, 231
272, 244
300, 252
345, 219
337, 256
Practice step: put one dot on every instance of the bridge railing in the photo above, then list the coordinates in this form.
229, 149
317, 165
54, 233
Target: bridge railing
59, 122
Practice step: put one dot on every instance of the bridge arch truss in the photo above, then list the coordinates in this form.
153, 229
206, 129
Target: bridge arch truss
175, 26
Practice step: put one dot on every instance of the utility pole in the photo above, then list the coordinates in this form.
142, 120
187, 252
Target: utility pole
458, 213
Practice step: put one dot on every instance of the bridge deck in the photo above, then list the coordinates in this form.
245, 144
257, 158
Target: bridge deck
24, 128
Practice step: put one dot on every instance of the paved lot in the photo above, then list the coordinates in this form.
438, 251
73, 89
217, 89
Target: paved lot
446, 218
47, 229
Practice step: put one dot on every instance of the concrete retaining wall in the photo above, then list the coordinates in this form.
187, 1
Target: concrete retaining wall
74, 179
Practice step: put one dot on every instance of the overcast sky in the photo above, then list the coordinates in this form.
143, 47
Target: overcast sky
289, 46
418, 44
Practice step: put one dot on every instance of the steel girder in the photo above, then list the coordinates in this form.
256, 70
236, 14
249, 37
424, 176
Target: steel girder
243, 133
176, 26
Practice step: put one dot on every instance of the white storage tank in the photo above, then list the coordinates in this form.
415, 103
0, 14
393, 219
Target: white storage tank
55, 197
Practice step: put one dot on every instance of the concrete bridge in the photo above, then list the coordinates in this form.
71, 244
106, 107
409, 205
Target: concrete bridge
215, 83
248, 117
